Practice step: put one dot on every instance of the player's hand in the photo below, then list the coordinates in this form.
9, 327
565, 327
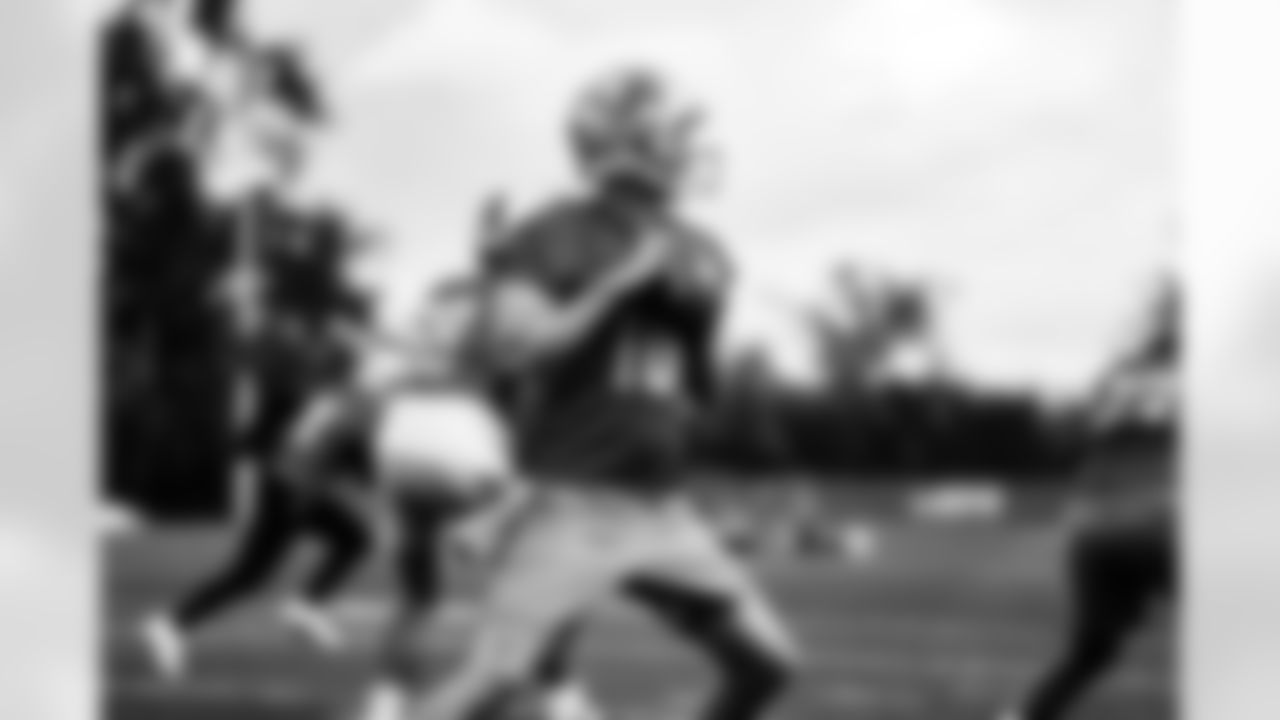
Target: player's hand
479, 536
655, 252
472, 539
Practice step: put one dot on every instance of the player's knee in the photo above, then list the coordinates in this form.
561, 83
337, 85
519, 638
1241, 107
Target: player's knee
327, 419
758, 671
251, 570
772, 635
352, 541
555, 667
494, 678
758, 652
1098, 645
1093, 564
474, 691
419, 568
504, 647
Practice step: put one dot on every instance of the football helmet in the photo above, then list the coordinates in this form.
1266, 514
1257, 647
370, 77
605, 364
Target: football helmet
631, 125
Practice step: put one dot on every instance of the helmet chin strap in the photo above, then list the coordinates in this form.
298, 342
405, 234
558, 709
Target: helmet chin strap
701, 179
636, 195
696, 172
705, 174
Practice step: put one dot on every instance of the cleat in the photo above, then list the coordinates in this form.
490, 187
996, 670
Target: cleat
167, 646
569, 701
383, 702
313, 624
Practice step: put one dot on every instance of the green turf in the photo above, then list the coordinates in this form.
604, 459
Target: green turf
942, 625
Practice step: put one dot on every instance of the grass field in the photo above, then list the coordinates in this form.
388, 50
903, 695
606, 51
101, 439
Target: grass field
943, 624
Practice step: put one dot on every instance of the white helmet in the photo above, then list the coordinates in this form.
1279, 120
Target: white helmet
630, 125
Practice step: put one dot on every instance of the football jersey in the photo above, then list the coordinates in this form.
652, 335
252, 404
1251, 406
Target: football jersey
615, 403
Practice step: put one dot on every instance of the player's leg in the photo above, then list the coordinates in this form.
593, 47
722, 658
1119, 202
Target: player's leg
556, 666
441, 458
1116, 576
262, 548
556, 680
695, 584
266, 543
284, 395
549, 570
419, 573
679, 567
430, 523
330, 420
344, 539
340, 517
479, 533
444, 456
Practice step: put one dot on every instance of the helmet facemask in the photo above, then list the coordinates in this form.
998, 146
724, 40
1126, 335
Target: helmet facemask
630, 132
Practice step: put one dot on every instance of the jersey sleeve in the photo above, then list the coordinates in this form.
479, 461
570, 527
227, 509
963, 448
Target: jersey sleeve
703, 280
710, 269
543, 249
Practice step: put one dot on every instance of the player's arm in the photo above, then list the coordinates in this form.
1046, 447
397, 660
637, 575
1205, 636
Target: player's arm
708, 277
525, 325
186, 133
364, 337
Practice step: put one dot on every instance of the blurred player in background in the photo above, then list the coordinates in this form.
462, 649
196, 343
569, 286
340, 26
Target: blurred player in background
300, 350
252, 109
611, 302
435, 426
1122, 561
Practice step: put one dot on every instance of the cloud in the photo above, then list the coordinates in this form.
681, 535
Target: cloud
442, 36
1017, 151
88, 13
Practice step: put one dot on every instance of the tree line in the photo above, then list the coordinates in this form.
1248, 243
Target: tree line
172, 302
860, 420
177, 283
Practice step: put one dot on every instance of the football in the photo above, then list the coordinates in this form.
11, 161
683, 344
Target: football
696, 270
573, 702
515, 325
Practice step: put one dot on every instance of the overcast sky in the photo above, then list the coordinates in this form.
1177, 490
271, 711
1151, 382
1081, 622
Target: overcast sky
1016, 151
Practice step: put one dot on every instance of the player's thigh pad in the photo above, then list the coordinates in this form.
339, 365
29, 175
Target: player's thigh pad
320, 415
445, 442
559, 558
621, 438
680, 555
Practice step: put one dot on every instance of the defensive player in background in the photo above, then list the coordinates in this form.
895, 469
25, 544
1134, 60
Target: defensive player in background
434, 425
1123, 552
253, 113
607, 429
299, 350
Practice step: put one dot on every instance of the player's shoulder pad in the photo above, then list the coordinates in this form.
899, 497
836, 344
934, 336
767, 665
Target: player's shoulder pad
706, 252
529, 238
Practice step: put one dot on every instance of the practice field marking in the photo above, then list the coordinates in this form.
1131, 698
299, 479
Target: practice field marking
943, 624
219, 690
279, 695
954, 664
364, 615
831, 625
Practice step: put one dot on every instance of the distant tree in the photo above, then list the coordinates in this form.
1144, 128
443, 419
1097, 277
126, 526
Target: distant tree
492, 221
218, 20
747, 427
1140, 384
871, 319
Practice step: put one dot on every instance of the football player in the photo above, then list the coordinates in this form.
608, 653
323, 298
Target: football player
612, 301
